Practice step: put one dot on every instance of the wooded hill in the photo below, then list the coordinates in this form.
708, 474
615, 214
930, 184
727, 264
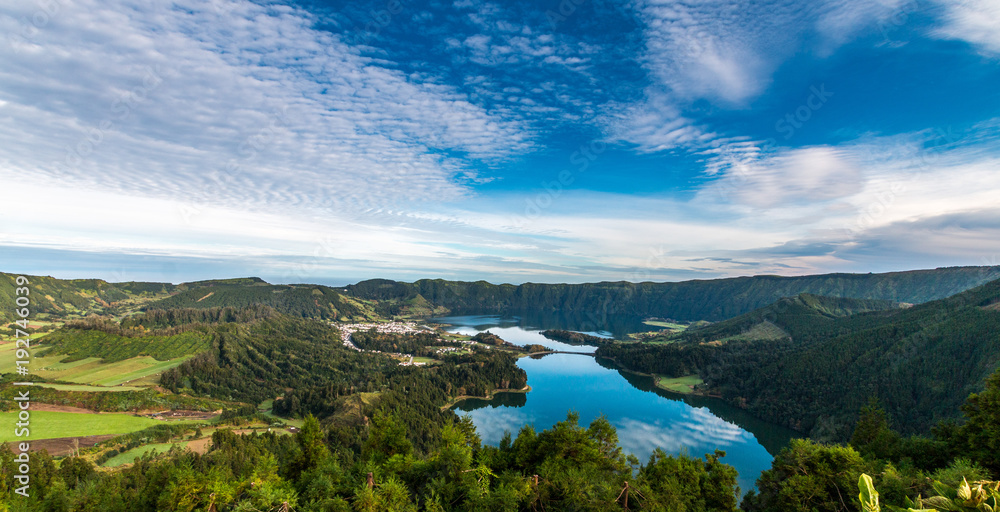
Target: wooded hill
799, 313
921, 361
307, 301
76, 297
59, 299
595, 303
686, 301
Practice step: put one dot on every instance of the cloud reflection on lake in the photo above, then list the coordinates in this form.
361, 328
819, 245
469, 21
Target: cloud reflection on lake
645, 420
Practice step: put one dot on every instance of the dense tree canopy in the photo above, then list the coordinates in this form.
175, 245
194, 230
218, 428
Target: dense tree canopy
921, 362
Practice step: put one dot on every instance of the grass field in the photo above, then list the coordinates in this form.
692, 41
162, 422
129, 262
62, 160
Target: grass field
147, 381
130, 456
8, 356
292, 422
50, 425
679, 384
89, 370
666, 325
762, 331
84, 387
112, 374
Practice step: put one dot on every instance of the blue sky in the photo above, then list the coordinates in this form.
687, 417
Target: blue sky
549, 141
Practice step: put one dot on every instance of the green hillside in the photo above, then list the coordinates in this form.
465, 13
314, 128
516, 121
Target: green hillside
597, 303
685, 301
799, 314
60, 299
75, 298
921, 362
77, 344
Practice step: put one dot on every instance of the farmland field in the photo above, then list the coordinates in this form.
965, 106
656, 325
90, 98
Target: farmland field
679, 384
84, 387
50, 425
666, 325
112, 374
88, 370
130, 456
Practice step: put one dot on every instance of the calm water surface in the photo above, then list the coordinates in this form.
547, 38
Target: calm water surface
645, 416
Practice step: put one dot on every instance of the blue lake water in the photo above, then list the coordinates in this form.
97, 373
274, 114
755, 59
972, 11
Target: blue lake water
645, 416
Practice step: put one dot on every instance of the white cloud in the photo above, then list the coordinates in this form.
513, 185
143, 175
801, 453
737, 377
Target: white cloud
923, 197
518, 65
805, 175
725, 52
696, 429
236, 130
840, 20
975, 21
187, 100
655, 124
708, 50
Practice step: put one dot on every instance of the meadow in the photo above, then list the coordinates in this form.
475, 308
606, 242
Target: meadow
89, 370
129, 456
678, 384
86, 388
51, 425
666, 325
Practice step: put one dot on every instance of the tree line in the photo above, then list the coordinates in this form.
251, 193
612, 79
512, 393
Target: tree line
921, 362
687, 301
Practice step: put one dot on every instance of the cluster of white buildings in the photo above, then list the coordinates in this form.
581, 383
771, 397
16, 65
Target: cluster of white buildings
346, 330
384, 327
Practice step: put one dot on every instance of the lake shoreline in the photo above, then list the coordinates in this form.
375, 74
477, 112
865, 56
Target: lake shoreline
489, 396
645, 415
655, 377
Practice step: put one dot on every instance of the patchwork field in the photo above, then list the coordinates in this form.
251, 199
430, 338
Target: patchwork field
89, 370
49, 425
112, 374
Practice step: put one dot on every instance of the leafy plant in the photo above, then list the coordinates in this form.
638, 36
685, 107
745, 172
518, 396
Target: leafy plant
981, 496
